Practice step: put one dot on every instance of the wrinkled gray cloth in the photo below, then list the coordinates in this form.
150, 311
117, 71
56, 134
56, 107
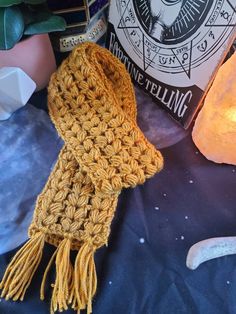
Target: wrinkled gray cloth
29, 145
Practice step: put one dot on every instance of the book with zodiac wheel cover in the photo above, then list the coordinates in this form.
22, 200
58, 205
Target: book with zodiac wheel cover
172, 48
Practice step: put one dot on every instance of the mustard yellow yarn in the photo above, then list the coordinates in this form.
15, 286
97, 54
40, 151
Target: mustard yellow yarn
92, 104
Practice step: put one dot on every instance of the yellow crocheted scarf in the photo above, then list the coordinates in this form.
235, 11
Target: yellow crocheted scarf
92, 104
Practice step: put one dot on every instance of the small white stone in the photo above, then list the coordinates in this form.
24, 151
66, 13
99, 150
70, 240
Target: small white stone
156, 208
182, 237
176, 238
196, 153
164, 194
186, 217
228, 282
16, 87
233, 170
190, 181
110, 282
141, 240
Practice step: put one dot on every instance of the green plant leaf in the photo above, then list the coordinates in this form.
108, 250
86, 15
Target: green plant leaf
33, 1
52, 24
11, 27
7, 3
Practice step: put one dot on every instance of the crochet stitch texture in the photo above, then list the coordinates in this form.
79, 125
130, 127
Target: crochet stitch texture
92, 104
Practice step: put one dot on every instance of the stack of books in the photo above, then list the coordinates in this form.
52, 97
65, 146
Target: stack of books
86, 21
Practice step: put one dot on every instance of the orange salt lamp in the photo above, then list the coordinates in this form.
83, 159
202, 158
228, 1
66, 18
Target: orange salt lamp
214, 132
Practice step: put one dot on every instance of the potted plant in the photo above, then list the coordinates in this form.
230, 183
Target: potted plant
24, 40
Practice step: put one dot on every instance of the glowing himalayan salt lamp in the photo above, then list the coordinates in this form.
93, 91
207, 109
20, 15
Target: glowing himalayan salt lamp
214, 132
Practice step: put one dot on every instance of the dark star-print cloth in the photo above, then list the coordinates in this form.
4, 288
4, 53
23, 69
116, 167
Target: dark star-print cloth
143, 269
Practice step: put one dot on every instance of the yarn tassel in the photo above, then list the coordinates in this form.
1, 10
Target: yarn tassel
72, 286
85, 278
61, 295
75, 287
42, 288
21, 269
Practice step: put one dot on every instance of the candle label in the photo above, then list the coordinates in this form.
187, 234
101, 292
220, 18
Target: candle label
172, 48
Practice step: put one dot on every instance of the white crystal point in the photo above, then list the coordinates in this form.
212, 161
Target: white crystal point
16, 87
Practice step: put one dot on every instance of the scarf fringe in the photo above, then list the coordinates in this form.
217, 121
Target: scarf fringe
74, 287
85, 277
21, 269
64, 275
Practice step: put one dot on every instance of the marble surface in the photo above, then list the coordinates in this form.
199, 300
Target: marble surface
29, 145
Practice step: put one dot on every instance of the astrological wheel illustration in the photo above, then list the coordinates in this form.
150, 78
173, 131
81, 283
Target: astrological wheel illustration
176, 36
